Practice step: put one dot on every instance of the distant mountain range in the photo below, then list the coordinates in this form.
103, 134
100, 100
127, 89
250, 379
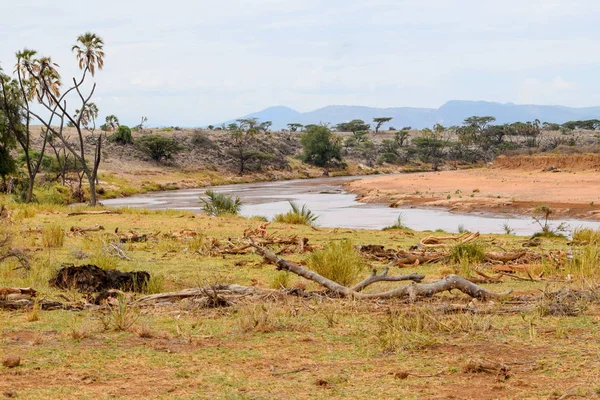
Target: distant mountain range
452, 113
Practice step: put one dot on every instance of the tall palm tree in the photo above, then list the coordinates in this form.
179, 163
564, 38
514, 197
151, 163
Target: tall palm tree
90, 51
39, 76
112, 122
49, 80
88, 114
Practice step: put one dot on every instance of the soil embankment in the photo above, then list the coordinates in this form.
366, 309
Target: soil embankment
570, 185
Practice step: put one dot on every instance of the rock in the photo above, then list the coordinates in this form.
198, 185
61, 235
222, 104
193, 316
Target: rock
11, 361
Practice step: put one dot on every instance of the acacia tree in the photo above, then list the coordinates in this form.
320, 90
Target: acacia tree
294, 126
356, 125
17, 95
243, 133
380, 121
38, 78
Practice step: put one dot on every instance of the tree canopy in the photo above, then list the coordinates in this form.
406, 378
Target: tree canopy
321, 147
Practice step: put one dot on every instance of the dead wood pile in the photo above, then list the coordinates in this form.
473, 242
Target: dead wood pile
90, 279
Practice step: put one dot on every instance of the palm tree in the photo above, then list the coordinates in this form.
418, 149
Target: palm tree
49, 79
90, 51
112, 122
89, 114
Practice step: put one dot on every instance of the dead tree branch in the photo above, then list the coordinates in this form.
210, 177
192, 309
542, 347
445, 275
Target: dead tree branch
412, 291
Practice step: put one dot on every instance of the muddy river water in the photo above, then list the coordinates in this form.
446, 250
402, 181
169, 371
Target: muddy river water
336, 207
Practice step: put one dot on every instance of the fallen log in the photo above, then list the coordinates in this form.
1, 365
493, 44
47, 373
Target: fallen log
102, 212
441, 241
505, 256
81, 230
17, 293
412, 291
222, 291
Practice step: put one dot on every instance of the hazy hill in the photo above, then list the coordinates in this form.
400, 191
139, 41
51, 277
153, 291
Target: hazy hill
451, 113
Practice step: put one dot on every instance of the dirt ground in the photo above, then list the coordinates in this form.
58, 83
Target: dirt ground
572, 193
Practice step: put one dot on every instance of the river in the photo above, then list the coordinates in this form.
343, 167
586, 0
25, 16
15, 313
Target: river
337, 208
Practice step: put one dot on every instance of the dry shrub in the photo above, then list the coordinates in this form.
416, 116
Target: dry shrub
120, 317
79, 331
566, 301
419, 327
585, 264
255, 318
338, 261
34, 314
53, 236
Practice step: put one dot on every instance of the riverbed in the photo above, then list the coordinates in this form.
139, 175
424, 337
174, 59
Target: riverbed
338, 208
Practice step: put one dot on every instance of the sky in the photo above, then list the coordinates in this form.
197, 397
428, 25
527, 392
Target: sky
195, 62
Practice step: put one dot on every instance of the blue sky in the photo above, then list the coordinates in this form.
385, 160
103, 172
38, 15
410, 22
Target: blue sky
194, 62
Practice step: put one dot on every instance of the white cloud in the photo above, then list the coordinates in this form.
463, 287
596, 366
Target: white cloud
186, 62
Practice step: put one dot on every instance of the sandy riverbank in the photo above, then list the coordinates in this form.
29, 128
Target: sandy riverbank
573, 194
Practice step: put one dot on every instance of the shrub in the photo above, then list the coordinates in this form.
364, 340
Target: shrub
338, 261
53, 236
280, 280
585, 264
158, 147
465, 255
586, 236
297, 215
220, 204
201, 140
122, 135
399, 224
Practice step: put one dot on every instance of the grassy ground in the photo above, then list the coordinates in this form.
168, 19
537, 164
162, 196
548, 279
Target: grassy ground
277, 348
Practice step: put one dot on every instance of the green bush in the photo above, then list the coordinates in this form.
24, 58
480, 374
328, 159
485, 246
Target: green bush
338, 261
297, 215
220, 204
202, 141
158, 147
321, 147
46, 162
469, 253
121, 136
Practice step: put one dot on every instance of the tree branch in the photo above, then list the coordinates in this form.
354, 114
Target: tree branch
384, 277
412, 291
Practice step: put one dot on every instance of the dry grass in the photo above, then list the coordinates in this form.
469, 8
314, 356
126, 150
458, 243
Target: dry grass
53, 236
340, 347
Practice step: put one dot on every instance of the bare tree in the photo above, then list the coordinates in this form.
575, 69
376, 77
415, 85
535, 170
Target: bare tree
38, 79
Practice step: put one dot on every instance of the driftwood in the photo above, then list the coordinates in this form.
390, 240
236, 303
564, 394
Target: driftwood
400, 258
23, 298
412, 291
81, 230
446, 241
103, 212
89, 279
505, 256
226, 293
501, 370
132, 237
17, 293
